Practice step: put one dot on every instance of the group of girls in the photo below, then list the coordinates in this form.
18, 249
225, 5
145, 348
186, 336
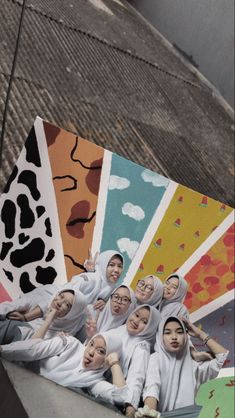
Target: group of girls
120, 345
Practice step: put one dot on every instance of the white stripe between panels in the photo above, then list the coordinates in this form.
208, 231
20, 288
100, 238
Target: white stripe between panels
151, 230
212, 306
102, 200
206, 245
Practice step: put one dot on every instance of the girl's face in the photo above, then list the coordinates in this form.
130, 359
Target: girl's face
173, 337
63, 303
170, 287
120, 301
114, 269
144, 289
95, 353
137, 321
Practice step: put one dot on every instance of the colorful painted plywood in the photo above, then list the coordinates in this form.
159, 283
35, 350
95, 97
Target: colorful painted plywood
213, 274
217, 398
133, 197
76, 168
187, 223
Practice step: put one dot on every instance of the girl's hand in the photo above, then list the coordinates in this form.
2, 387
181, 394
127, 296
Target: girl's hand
63, 334
90, 263
16, 316
99, 304
51, 314
192, 329
112, 358
91, 325
130, 411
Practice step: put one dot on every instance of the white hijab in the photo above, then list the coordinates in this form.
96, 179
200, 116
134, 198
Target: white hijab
176, 370
95, 284
75, 318
156, 296
71, 322
106, 319
130, 342
175, 306
67, 368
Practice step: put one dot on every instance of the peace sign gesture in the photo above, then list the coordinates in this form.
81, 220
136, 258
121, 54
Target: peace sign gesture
90, 263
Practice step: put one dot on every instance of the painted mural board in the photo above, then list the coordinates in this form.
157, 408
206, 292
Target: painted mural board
66, 195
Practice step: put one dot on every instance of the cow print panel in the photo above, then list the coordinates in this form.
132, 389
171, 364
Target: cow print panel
25, 283
6, 246
48, 227
34, 251
45, 275
8, 215
11, 179
9, 275
23, 238
28, 178
40, 210
26, 216
32, 153
50, 255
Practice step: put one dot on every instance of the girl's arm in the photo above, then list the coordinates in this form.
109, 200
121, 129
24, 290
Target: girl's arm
42, 330
194, 331
27, 316
32, 350
117, 375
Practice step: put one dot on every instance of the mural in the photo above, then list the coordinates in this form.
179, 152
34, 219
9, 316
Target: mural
67, 195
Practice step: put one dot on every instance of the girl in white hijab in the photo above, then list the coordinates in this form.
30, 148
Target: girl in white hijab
119, 306
100, 283
136, 336
68, 362
69, 316
149, 290
173, 377
174, 291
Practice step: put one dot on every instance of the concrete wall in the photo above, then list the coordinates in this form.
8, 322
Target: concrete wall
204, 30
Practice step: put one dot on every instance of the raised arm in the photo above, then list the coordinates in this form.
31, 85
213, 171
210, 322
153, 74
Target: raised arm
117, 374
42, 330
194, 331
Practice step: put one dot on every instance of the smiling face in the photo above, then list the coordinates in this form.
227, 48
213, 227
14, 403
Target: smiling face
137, 321
114, 269
95, 353
63, 303
170, 287
173, 337
120, 301
144, 289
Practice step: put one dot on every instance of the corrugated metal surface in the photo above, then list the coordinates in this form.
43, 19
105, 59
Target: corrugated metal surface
93, 73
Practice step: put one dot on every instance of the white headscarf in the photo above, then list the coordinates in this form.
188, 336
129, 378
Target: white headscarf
129, 342
106, 319
176, 371
175, 306
67, 368
75, 318
95, 285
156, 296
71, 322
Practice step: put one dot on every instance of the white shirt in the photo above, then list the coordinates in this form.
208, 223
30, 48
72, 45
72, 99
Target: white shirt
202, 371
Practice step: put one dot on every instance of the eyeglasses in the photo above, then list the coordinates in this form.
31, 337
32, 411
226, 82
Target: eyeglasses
124, 300
147, 287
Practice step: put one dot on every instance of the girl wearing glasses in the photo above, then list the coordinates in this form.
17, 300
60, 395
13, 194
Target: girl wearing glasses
173, 377
136, 335
149, 290
119, 306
